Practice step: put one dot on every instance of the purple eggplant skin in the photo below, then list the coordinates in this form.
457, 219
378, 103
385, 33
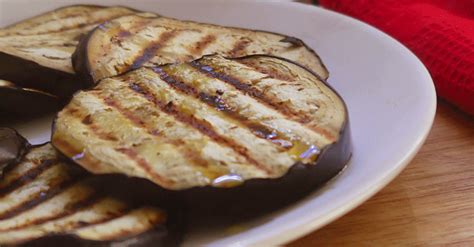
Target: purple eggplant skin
26, 102
12, 147
80, 60
29, 74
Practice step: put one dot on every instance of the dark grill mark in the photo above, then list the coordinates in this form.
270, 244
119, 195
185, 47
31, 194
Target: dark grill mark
262, 131
28, 176
200, 125
236, 83
202, 44
144, 164
239, 48
150, 51
218, 103
136, 120
278, 106
102, 134
146, 55
175, 83
41, 197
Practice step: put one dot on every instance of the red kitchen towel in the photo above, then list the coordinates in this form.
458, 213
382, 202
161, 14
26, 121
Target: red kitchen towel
439, 32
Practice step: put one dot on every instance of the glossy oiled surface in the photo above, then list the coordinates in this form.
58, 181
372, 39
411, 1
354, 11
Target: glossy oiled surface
208, 122
430, 203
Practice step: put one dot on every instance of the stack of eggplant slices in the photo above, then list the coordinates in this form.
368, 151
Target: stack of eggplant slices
158, 121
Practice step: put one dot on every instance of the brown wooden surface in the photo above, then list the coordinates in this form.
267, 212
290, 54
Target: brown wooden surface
431, 203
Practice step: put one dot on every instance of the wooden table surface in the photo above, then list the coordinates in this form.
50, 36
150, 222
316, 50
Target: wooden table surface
431, 203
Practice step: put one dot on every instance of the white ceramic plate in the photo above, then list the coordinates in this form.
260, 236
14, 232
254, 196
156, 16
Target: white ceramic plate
389, 93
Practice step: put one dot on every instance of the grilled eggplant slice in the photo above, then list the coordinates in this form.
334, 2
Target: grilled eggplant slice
46, 201
12, 147
213, 122
43, 46
130, 42
27, 101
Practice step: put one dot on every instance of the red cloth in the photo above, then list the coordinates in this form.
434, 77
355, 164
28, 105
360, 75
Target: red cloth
439, 32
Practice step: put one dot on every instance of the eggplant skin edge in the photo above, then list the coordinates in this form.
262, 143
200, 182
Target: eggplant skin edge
28, 74
23, 147
297, 182
82, 67
26, 102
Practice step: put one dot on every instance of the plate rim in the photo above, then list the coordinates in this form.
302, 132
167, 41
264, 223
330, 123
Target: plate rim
304, 225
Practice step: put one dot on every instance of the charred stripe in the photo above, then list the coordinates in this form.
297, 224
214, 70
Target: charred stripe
143, 164
239, 47
202, 44
149, 52
28, 176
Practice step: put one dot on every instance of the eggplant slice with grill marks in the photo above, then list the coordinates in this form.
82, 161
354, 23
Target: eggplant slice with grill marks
133, 41
36, 53
253, 124
21, 101
46, 200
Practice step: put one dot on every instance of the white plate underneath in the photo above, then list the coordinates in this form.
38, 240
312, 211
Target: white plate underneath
389, 93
